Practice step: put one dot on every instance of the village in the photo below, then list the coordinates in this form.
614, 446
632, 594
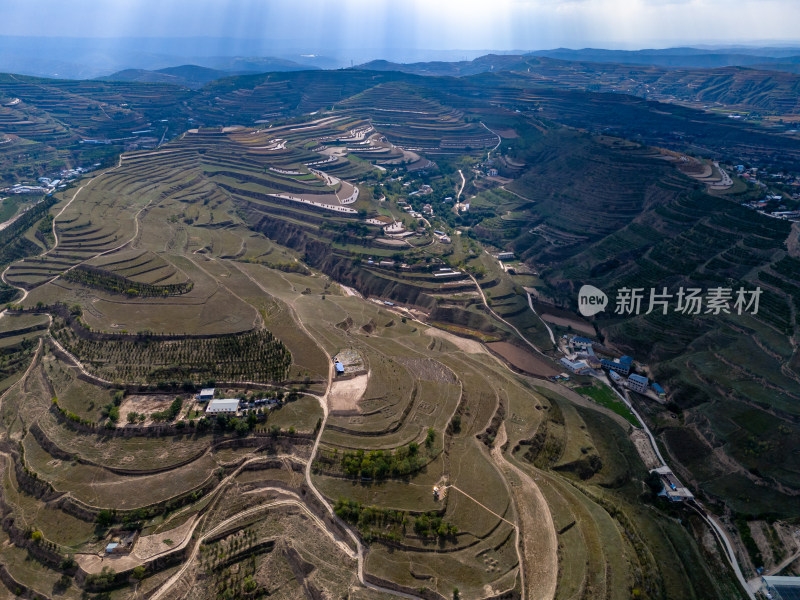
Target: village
782, 192
581, 358
47, 185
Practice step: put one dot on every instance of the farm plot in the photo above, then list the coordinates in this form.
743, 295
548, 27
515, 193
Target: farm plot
255, 356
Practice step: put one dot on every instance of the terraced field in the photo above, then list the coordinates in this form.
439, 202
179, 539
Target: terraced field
262, 240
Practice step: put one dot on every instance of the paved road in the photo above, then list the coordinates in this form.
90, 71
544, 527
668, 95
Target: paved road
499, 141
549, 331
731, 555
502, 320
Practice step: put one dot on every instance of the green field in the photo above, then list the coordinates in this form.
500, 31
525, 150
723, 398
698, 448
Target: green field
605, 397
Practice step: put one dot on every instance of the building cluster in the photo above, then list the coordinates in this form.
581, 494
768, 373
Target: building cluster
442, 236
673, 490
772, 205
47, 185
231, 406
409, 209
582, 359
122, 543
424, 190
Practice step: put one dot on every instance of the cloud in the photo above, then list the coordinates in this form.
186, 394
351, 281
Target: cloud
442, 24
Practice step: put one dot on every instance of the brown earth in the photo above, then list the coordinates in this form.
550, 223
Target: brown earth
539, 545
523, 360
346, 393
564, 322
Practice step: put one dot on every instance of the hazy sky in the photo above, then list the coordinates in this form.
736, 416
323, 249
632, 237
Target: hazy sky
433, 24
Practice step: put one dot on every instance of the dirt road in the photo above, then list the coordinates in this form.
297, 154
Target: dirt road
539, 544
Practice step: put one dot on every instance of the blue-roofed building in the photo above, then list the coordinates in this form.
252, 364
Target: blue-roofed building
659, 390
620, 366
580, 343
110, 547
339, 368
637, 383
782, 587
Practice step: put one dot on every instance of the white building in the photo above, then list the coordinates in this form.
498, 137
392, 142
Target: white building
224, 406
638, 384
575, 366
206, 394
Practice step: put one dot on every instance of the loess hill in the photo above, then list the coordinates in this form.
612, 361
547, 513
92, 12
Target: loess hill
270, 230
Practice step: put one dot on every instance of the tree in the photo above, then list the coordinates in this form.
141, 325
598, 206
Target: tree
249, 584
139, 572
430, 438
104, 518
456, 423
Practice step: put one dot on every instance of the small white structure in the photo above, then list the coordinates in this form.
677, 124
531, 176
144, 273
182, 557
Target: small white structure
227, 406
575, 366
206, 394
674, 490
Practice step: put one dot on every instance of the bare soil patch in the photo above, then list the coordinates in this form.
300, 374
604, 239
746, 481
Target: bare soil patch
346, 393
645, 450
793, 243
144, 404
523, 360
539, 544
468, 346
150, 545
428, 369
94, 563
564, 322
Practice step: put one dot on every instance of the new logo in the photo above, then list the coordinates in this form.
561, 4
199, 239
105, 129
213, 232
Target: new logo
591, 300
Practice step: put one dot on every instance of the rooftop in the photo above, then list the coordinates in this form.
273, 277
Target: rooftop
223, 405
783, 587
637, 378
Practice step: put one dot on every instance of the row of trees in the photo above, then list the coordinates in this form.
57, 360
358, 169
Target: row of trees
254, 356
381, 464
370, 519
112, 282
432, 525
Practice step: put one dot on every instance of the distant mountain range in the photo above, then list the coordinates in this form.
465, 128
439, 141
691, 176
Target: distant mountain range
90, 58
195, 76
739, 56
769, 87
